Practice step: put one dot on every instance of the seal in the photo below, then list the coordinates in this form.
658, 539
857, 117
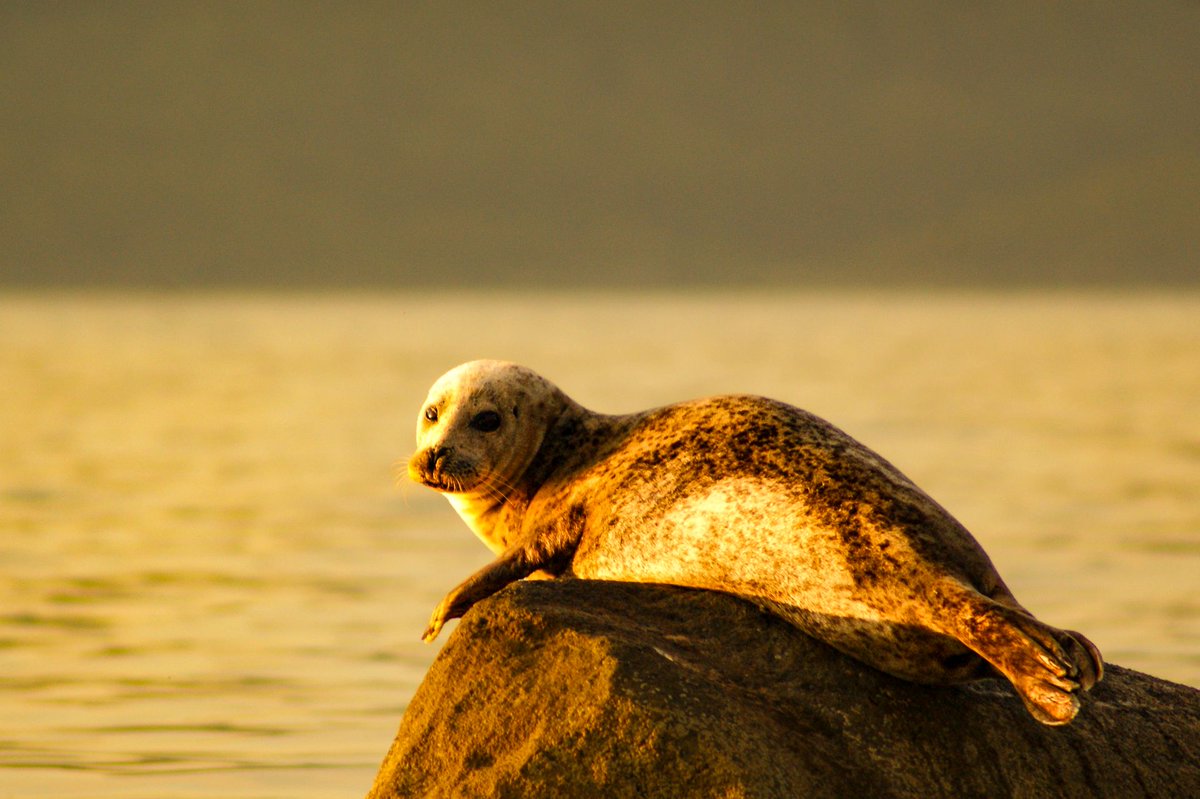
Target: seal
739, 494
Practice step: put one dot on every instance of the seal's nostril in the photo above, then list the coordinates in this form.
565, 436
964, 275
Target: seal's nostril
437, 457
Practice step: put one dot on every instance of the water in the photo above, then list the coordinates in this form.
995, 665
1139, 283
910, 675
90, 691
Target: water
210, 585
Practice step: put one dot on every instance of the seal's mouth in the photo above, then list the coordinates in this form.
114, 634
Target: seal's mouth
441, 469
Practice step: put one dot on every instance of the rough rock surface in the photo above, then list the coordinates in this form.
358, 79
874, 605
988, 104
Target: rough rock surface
579, 689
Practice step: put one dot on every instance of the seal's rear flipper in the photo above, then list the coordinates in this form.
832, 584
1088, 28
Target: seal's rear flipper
1049, 667
1089, 660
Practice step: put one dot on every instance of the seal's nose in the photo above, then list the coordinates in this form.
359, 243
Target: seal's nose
436, 457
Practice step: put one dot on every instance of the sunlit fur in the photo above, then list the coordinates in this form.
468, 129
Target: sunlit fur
744, 495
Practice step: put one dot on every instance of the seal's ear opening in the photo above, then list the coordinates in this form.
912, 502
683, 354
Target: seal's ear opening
515, 412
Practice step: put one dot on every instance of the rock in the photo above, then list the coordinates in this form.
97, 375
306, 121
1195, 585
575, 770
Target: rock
574, 688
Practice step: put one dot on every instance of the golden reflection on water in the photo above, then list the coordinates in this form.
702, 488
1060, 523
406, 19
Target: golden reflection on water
209, 584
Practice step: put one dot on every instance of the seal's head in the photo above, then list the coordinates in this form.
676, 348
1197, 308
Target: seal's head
481, 426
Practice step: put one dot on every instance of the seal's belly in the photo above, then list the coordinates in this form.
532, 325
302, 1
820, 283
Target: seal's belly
750, 536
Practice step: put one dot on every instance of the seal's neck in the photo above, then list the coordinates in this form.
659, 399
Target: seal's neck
481, 517
497, 516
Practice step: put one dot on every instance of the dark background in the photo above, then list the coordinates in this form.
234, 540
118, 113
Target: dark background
310, 145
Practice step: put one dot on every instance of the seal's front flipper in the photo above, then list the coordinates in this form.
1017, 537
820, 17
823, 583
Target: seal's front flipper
441, 614
513, 564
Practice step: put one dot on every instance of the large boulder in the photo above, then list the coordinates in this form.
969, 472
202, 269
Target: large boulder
592, 689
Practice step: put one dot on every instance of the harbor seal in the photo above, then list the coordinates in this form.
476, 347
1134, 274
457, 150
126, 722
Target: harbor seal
739, 494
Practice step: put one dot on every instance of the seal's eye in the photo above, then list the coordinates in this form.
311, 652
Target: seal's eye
431, 413
486, 422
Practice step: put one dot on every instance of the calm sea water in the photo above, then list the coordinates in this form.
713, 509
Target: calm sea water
211, 585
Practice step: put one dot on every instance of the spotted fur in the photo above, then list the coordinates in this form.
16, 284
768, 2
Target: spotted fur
740, 494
